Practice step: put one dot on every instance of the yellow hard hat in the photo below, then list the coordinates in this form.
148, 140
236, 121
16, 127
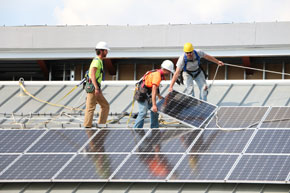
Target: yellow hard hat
188, 47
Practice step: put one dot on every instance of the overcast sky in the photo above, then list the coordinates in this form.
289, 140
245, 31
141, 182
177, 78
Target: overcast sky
140, 12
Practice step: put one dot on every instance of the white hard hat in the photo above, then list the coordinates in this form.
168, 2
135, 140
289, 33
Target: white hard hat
168, 65
102, 46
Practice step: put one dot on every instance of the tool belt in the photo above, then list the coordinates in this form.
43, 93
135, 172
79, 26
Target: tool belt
89, 87
142, 92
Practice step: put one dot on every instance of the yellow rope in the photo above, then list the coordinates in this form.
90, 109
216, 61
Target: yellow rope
67, 94
43, 101
132, 106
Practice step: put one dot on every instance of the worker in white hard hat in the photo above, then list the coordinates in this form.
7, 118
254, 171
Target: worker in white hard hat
147, 92
188, 65
96, 95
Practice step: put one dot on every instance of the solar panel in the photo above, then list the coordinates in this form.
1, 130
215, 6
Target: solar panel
237, 117
201, 167
5, 160
115, 140
61, 140
168, 140
186, 109
35, 167
270, 141
262, 168
17, 141
91, 167
278, 117
147, 167
217, 141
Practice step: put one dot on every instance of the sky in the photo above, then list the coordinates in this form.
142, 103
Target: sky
140, 12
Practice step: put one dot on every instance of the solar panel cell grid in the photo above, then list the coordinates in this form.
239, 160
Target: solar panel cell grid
262, 168
278, 117
196, 167
217, 141
163, 140
237, 117
147, 167
115, 140
61, 141
92, 166
17, 141
270, 141
35, 167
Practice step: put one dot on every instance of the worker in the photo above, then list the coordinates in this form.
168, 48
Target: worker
189, 65
150, 82
96, 96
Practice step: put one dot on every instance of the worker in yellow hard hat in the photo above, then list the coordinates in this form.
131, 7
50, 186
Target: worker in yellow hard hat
188, 68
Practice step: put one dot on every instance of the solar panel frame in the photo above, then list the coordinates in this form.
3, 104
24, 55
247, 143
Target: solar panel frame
228, 114
159, 103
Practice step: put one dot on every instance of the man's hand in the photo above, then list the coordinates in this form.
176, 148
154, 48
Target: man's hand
170, 89
97, 92
154, 108
220, 63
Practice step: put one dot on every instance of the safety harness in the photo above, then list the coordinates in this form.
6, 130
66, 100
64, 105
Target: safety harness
144, 92
200, 69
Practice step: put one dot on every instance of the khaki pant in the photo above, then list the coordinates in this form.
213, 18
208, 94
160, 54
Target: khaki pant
92, 100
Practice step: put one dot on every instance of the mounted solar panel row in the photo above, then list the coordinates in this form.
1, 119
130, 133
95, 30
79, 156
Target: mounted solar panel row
150, 155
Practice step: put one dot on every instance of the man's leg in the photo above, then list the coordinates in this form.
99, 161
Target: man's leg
143, 108
203, 88
188, 81
90, 108
105, 108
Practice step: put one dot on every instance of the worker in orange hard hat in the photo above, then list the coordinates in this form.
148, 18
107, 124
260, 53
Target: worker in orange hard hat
189, 67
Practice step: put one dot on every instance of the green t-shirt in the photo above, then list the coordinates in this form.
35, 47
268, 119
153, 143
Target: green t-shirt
97, 63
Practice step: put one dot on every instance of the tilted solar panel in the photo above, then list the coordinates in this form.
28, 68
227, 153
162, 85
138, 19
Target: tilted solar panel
186, 109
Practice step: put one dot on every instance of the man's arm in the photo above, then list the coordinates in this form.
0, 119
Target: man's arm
94, 81
154, 92
174, 78
214, 60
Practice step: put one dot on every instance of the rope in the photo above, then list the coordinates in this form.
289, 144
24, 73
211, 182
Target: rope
216, 71
257, 69
132, 107
43, 101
